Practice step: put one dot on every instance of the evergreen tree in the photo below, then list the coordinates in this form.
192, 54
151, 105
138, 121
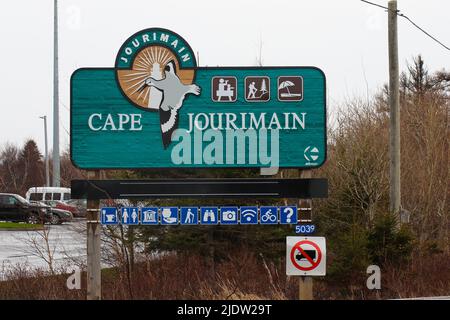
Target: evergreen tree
263, 86
9, 173
31, 166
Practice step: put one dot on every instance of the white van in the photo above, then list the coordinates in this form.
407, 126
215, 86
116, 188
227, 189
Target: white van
48, 194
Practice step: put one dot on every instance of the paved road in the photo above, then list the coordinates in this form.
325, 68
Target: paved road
427, 298
67, 240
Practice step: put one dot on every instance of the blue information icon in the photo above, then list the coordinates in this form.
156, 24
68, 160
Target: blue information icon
229, 215
169, 215
130, 215
288, 215
249, 215
109, 216
204, 215
189, 215
149, 215
209, 215
269, 215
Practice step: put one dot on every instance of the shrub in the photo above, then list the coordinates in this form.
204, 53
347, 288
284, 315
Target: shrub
387, 244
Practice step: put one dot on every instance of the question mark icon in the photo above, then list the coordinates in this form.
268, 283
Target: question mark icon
290, 213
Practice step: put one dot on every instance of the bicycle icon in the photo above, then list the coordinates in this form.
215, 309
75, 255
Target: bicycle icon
269, 215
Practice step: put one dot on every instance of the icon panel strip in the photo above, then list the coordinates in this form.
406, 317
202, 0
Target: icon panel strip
204, 215
225, 88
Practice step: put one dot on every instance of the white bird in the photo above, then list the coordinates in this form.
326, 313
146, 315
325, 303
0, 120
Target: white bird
173, 91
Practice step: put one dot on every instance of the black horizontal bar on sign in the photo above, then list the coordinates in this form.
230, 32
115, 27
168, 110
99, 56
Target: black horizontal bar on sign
199, 188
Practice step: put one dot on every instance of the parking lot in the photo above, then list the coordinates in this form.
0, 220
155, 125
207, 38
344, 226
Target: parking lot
20, 247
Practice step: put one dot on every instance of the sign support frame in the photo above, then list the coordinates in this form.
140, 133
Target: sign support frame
305, 288
193, 188
305, 283
93, 242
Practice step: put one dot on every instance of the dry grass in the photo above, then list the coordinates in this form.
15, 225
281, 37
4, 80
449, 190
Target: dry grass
241, 276
192, 277
424, 276
169, 277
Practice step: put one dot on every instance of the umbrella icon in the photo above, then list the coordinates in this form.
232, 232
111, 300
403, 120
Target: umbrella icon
285, 85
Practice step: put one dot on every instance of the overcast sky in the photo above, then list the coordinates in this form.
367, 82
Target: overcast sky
347, 39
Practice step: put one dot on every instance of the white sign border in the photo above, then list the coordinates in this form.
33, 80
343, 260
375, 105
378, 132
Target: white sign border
320, 270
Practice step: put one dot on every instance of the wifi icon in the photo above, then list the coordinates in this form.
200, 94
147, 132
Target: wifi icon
249, 215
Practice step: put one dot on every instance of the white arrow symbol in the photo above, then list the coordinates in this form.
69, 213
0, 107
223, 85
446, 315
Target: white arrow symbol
312, 155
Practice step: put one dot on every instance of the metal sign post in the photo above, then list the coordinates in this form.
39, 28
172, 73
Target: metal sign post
305, 284
305, 288
306, 258
93, 246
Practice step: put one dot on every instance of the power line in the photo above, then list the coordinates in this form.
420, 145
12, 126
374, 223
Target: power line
415, 25
64, 105
412, 22
375, 4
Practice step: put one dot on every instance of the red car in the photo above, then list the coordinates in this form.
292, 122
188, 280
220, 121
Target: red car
76, 212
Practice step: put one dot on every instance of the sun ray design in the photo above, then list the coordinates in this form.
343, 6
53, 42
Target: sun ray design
141, 65
136, 78
151, 54
146, 94
133, 74
138, 84
132, 81
145, 58
142, 91
158, 55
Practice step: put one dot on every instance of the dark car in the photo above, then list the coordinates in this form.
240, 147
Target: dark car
17, 209
58, 215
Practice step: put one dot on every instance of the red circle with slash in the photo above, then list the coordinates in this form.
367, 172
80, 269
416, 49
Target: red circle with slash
298, 246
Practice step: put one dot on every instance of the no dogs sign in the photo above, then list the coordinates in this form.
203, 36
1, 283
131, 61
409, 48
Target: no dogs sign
305, 256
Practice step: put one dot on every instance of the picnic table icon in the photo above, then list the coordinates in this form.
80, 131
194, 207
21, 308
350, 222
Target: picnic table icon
224, 90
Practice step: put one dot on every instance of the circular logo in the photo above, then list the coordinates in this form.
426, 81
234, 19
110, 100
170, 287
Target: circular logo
155, 70
149, 56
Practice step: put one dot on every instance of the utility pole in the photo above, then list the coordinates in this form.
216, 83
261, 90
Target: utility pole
47, 173
56, 181
94, 280
394, 99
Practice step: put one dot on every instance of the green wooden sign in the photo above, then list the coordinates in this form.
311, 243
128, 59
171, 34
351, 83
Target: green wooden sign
157, 109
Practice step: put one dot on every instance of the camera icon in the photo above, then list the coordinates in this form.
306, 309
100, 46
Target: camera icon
229, 215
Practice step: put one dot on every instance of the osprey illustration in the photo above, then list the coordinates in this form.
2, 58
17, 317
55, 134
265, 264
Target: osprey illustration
173, 93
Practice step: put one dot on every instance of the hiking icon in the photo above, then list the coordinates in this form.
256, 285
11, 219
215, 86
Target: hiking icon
257, 89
